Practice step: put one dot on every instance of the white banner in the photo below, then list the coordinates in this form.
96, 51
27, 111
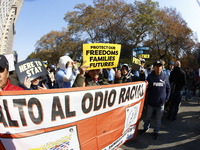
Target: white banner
52, 119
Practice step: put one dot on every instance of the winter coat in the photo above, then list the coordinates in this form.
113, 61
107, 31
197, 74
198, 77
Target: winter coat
80, 80
129, 77
178, 77
158, 89
11, 87
65, 76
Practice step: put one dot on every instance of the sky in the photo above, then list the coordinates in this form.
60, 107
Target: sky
39, 17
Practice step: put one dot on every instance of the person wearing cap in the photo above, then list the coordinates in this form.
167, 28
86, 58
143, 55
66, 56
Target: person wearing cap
67, 72
170, 68
177, 80
5, 84
143, 74
158, 93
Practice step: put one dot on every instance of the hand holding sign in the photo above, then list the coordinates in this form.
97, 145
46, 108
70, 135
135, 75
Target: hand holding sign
117, 73
74, 64
83, 68
27, 82
32, 68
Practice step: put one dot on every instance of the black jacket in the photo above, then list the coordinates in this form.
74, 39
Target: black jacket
178, 77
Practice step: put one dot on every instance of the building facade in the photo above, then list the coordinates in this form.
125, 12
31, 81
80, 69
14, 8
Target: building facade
9, 11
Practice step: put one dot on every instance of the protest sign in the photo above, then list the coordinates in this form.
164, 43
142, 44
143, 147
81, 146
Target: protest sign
31, 68
98, 117
101, 55
144, 56
135, 67
11, 59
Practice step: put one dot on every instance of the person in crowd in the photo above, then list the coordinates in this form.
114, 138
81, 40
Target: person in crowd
196, 82
51, 76
89, 77
126, 75
35, 84
14, 78
67, 72
92, 77
5, 84
189, 85
170, 68
142, 71
105, 74
149, 69
177, 80
163, 65
111, 75
167, 72
158, 93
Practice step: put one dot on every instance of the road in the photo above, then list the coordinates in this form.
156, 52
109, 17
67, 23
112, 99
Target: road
181, 134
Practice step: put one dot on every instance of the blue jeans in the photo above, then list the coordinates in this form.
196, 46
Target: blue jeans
159, 114
174, 105
188, 94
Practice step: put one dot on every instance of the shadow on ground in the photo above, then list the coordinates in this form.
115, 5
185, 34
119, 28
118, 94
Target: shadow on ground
181, 134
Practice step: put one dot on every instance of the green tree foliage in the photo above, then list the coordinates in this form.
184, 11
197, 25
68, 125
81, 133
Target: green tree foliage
116, 21
171, 38
105, 22
55, 44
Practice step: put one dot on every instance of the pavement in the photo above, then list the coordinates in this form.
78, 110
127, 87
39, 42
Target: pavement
181, 134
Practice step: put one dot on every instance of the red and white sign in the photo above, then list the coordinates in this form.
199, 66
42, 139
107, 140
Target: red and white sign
100, 117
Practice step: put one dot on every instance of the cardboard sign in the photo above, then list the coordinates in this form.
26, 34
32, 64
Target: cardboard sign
135, 67
98, 117
31, 68
101, 55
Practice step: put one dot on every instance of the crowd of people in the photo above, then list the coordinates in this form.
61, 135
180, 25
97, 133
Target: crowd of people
164, 92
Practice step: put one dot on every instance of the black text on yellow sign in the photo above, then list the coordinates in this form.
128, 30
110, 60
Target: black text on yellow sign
136, 61
101, 55
144, 56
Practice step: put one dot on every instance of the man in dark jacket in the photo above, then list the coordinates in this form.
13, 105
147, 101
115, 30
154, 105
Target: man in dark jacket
158, 93
177, 80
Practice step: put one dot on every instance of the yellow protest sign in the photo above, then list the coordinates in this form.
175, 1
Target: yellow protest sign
144, 55
136, 61
101, 55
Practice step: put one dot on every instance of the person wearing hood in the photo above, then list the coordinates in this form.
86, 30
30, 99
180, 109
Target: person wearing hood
67, 72
126, 75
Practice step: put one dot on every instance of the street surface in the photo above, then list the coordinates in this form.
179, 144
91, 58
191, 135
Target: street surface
181, 134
